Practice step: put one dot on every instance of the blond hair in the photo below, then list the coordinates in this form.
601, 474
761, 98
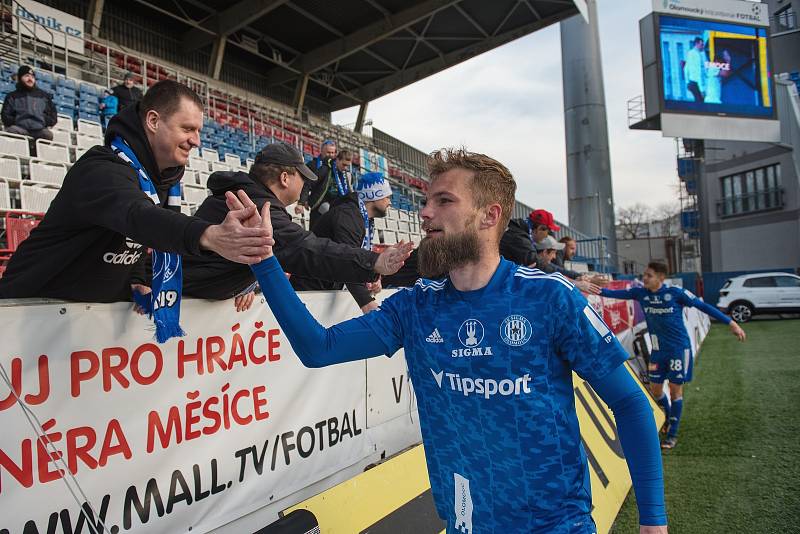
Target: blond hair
491, 181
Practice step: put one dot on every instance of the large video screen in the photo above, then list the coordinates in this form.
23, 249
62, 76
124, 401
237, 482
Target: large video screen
715, 67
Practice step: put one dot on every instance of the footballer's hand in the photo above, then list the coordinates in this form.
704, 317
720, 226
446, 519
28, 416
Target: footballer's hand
599, 280
587, 287
240, 237
737, 331
299, 209
645, 529
390, 260
262, 221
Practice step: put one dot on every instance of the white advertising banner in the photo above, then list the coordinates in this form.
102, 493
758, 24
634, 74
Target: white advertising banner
741, 11
192, 434
188, 435
49, 25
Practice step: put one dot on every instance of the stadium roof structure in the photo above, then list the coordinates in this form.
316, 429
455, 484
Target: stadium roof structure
349, 52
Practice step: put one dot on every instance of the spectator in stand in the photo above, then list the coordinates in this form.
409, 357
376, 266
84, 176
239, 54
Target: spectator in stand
126, 92
566, 253
29, 110
109, 106
519, 244
351, 221
278, 176
546, 250
120, 199
333, 180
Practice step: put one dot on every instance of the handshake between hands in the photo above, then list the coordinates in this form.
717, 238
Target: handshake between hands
245, 236
259, 226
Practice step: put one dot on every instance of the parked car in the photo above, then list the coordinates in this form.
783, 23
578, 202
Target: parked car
751, 294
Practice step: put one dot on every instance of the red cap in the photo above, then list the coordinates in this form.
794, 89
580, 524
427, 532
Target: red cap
544, 217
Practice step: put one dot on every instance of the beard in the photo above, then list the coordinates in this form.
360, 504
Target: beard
379, 211
440, 255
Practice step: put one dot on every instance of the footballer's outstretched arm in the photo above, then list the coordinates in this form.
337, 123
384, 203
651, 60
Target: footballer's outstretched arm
592, 351
691, 300
316, 345
639, 438
622, 294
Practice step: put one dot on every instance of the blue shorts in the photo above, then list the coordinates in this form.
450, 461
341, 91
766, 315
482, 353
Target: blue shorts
674, 366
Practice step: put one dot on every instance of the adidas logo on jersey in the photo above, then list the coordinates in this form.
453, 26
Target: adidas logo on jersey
435, 337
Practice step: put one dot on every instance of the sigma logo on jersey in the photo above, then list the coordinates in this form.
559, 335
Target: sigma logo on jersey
470, 334
515, 330
435, 337
485, 387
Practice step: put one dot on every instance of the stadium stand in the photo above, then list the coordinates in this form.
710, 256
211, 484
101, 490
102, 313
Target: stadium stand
235, 127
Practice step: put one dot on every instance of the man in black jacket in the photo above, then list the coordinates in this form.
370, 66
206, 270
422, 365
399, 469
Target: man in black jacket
100, 223
126, 92
350, 221
278, 177
333, 180
519, 244
28, 110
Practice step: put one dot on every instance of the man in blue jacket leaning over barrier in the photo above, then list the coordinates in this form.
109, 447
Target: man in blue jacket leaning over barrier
490, 350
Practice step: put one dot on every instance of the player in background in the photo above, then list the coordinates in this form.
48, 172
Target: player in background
491, 349
671, 357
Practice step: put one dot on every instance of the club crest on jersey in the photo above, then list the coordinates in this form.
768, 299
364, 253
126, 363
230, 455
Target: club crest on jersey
515, 330
470, 334
668, 297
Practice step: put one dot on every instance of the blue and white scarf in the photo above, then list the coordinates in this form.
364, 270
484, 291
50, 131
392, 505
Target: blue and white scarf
369, 226
163, 304
338, 176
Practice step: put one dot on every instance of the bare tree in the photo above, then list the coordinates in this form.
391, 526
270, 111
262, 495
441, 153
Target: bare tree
632, 220
667, 216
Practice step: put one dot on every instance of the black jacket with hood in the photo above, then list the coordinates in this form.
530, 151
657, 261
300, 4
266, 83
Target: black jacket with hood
515, 244
299, 251
343, 223
32, 109
127, 96
99, 225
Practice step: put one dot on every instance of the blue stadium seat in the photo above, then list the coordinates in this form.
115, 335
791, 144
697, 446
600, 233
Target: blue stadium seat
44, 76
88, 115
87, 89
67, 82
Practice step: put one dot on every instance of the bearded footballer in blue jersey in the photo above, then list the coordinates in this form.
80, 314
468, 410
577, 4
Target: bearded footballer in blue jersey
671, 358
491, 349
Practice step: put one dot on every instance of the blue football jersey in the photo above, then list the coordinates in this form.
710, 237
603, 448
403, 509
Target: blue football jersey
492, 371
663, 311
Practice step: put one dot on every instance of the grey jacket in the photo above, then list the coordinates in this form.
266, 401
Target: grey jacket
32, 109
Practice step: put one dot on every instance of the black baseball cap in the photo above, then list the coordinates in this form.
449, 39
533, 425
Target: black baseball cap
286, 155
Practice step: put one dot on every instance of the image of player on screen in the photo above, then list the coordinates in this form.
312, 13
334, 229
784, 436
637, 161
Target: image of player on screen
671, 358
491, 349
714, 67
695, 69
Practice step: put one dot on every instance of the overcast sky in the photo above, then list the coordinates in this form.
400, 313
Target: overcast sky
508, 104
